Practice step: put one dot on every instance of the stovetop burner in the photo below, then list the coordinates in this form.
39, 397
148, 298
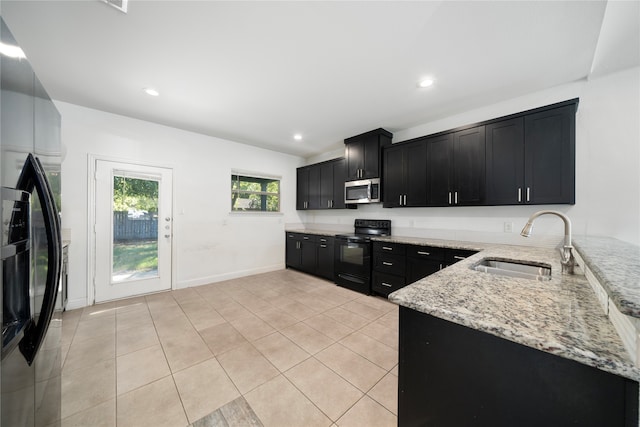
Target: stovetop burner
364, 229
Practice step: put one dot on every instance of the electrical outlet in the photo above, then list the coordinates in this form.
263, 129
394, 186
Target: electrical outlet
508, 227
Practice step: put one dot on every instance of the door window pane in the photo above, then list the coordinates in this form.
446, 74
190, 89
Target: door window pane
135, 228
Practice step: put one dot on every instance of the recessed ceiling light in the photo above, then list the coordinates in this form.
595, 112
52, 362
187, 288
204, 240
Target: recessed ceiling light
151, 91
297, 137
425, 82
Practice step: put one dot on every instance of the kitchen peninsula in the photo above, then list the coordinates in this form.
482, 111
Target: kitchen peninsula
512, 348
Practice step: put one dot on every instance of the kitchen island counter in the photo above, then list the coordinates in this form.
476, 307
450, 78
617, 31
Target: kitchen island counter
561, 316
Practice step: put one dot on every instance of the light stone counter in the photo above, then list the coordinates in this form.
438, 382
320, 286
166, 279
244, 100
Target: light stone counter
561, 316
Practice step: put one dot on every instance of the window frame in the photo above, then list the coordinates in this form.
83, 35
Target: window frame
248, 176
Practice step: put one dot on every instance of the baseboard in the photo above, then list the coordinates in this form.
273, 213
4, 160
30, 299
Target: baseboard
227, 276
73, 304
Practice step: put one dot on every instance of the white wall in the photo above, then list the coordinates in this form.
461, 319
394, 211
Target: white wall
210, 244
607, 173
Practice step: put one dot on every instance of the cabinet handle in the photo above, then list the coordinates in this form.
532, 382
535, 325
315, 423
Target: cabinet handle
528, 193
423, 253
323, 240
449, 197
386, 263
405, 199
385, 284
459, 257
519, 195
440, 266
323, 246
456, 197
305, 238
387, 248
400, 201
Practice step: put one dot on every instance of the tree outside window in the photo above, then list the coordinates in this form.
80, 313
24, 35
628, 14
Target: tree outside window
254, 194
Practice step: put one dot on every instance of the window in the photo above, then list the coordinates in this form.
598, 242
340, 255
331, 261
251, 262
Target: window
254, 193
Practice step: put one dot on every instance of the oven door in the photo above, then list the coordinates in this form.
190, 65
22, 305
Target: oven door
353, 264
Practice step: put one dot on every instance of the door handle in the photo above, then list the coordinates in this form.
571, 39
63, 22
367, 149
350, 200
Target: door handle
33, 177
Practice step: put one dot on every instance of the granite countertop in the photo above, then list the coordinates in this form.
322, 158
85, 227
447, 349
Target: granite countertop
561, 316
616, 265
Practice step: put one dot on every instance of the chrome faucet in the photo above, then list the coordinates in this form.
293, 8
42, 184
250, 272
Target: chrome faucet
566, 254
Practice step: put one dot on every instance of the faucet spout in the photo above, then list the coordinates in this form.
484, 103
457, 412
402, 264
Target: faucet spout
567, 258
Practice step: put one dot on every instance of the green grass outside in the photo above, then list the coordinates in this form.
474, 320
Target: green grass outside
135, 256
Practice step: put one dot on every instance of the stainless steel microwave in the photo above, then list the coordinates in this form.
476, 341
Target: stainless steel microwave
362, 191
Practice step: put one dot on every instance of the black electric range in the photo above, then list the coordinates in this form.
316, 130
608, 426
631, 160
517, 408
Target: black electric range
352, 262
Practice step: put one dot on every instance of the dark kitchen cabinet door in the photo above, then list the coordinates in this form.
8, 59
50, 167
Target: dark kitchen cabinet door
405, 175
302, 188
549, 169
308, 187
394, 182
469, 167
416, 174
332, 178
363, 154
314, 188
505, 162
439, 165
339, 178
325, 257
309, 254
293, 250
326, 185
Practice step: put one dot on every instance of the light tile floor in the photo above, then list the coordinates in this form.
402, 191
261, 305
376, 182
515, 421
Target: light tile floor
275, 349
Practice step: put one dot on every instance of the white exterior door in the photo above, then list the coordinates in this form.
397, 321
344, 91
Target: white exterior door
133, 230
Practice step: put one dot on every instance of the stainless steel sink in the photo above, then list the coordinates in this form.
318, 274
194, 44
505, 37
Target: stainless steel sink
525, 270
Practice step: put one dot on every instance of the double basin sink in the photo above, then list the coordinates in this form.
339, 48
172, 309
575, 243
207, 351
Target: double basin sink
509, 268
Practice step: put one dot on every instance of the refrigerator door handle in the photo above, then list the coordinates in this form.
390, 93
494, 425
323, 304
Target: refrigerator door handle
33, 177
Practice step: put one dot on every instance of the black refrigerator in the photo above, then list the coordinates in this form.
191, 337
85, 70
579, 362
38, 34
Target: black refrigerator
30, 157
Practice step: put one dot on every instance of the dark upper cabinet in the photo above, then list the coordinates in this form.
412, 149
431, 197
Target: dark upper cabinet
549, 153
405, 175
302, 188
469, 167
439, 164
363, 154
332, 177
321, 186
505, 162
456, 168
339, 178
531, 159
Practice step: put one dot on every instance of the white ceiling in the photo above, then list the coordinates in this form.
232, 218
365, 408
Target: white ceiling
258, 72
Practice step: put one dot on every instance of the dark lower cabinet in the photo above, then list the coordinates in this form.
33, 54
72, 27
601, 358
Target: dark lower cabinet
325, 257
310, 253
301, 252
452, 375
396, 265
